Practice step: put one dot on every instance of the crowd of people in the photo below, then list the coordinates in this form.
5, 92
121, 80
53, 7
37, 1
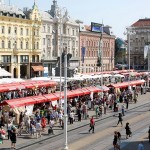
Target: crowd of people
46, 115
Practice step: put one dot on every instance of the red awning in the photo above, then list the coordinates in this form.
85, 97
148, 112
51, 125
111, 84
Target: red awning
137, 82
51, 97
3, 89
85, 91
71, 94
57, 94
78, 92
94, 89
19, 102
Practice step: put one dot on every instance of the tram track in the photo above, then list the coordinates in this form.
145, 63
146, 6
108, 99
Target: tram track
69, 131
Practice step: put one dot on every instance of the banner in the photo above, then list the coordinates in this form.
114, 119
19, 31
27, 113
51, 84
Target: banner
83, 53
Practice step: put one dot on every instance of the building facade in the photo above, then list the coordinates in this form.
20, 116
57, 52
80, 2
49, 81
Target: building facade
89, 42
59, 32
20, 41
138, 40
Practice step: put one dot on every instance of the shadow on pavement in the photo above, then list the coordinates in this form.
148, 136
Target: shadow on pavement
134, 145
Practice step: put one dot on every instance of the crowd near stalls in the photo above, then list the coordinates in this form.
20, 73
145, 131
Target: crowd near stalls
33, 104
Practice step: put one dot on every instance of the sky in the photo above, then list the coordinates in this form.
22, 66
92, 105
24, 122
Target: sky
118, 14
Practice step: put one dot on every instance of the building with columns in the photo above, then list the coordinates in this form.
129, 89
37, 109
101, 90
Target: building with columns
138, 40
59, 32
90, 42
20, 41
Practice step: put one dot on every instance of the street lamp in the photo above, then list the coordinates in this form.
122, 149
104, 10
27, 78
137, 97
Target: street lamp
62, 15
129, 33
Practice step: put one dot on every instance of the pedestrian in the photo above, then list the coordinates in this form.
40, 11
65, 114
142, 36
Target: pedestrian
79, 113
120, 119
119, 139
32, 126
51, 125
71, 117
149, 134
38, 128
43, 123
128, 130
122, 109
115, 141
141, 146
92, 124
9, 127
13, 137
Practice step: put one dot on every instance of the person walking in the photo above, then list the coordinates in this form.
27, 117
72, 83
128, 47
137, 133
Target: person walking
122, 109
38, 128
141, 146
13, 137
128, 131
115, 141
149, 134
92, 124
120, 119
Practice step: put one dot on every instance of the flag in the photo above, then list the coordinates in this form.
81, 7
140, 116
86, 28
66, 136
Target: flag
99, 57
83, 53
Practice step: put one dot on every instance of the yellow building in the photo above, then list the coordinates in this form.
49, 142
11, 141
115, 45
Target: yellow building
20, 41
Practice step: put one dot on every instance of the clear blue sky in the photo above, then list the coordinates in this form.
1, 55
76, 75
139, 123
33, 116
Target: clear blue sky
117, 13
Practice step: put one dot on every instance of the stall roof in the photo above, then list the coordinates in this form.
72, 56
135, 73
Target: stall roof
126, 84
93, 89
51, 97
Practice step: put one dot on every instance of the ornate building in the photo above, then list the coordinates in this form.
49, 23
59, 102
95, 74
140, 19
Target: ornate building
59, 32
20, 41
89, 41
138, 40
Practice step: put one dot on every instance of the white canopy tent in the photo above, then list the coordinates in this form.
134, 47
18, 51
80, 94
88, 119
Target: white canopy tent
119, 75
4, 73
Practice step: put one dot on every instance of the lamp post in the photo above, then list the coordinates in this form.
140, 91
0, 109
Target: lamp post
61, 17
129, 33
65, 104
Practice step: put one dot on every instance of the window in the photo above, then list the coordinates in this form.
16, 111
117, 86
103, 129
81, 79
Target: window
21, 31
53, 41
21, 45
43, 28
24, 58
48, 29
27, 32
6, 59
15, 59
9, 44
33, 58
68, 32
15, 30
73, 32
15, 45
27, 45
43, 41
48, 42
3, 44
9, 30
3, 29
37, 45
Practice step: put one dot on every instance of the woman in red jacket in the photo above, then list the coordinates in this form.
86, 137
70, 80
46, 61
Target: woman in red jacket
92, 124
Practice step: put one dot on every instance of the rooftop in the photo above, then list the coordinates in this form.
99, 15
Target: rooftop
142, 23
11, 9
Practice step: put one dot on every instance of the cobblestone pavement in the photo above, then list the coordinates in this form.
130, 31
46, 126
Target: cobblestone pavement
95, 140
